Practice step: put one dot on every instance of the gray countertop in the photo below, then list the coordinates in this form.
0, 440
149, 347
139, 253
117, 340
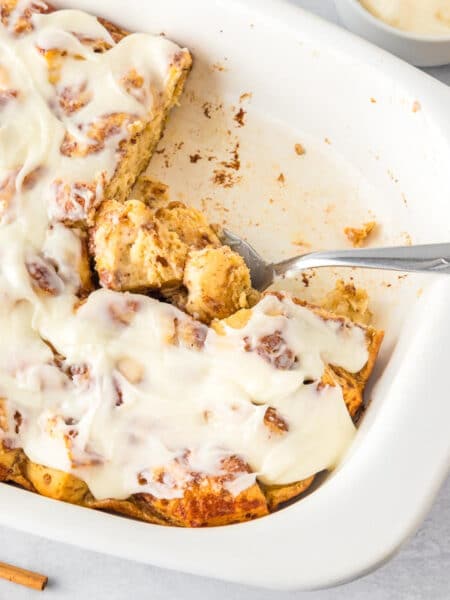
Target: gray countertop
421, 571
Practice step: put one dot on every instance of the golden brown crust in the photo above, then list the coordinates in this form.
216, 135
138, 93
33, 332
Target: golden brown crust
207, 502
13, 461
205, 506
276, 495
128, 508
55, 484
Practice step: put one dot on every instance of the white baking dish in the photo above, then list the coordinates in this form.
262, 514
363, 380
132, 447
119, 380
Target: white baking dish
349, 104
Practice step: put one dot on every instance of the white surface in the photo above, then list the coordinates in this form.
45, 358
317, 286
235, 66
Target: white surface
120, 580
421, 50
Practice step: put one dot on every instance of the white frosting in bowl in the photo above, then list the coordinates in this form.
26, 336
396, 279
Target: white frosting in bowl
427, 17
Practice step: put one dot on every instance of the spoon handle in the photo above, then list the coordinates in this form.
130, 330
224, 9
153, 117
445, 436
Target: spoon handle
431, 258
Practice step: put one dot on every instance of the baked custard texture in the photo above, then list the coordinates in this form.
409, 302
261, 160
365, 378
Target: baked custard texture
140, 372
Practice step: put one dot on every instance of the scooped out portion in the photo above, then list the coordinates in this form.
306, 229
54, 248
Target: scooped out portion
218, 283
152, 244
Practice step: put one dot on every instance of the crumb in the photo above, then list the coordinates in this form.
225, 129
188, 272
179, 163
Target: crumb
373, 100
234, 163
179, 145
207, 109
239, 117
160, 151
281, 178
195, 157
218, 67
419, 292
327, 141
406, 238
392, 176
245, 96
329, 208
305, 280
210, 158
299, 149
358, 236
416, 106
405, 201
271, 200
225, 178
221, 207
400, 277
301, 243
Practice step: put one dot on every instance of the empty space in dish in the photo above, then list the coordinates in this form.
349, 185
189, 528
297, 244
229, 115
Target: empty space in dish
375, 149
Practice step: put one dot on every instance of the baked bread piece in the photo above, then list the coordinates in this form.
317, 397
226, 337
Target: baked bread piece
151, 244
351, 302
138, 137
206, 500
93, 125
218, 283
75, 133
136, 251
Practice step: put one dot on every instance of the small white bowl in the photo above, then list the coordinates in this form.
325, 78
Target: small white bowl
417, 49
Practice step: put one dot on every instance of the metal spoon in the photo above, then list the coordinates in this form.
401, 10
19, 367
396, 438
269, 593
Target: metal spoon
430, 258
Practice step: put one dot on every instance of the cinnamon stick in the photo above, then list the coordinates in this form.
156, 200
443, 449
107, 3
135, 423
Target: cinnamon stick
29, 579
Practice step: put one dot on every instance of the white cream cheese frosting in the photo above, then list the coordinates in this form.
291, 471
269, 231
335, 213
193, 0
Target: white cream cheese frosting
130, 396
120, 386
